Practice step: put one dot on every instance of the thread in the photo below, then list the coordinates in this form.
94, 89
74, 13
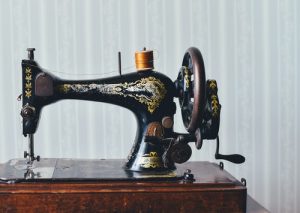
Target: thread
144, 60
129, 68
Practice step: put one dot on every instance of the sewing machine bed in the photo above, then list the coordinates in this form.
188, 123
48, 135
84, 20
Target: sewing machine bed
88, 185
62, 170
57, 170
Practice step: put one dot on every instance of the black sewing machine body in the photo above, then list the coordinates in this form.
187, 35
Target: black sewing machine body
147, 94
150, 95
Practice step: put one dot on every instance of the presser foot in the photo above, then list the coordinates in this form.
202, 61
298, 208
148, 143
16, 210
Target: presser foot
30, 154
31, 158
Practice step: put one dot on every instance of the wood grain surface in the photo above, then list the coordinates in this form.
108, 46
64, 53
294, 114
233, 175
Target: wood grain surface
214, 190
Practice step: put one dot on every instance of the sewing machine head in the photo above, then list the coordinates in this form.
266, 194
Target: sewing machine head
149, 95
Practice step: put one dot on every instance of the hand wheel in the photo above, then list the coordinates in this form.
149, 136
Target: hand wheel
191, 85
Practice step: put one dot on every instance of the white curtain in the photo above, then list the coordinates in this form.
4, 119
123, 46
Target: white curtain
250, 47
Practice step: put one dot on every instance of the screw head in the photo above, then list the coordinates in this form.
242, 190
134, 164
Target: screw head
27, 111
30, 49
31, 53
188, 177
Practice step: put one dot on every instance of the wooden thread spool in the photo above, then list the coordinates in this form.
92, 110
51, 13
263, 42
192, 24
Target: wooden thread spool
144, 60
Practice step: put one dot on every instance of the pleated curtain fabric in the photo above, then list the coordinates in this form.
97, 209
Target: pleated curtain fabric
250, 47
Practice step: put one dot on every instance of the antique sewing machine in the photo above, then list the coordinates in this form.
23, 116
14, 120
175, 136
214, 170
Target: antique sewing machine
157, 163
150, 95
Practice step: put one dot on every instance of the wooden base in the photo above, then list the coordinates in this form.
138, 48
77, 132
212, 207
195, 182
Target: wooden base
214, 190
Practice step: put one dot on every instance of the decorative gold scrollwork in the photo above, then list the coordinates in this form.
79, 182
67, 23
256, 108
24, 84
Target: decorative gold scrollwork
28, 93
213, 84
28, 83
28, 70
215, 105
151, 160
186, 77
28, 86
149, 91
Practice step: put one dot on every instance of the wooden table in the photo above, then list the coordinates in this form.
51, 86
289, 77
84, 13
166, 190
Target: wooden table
68, 185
